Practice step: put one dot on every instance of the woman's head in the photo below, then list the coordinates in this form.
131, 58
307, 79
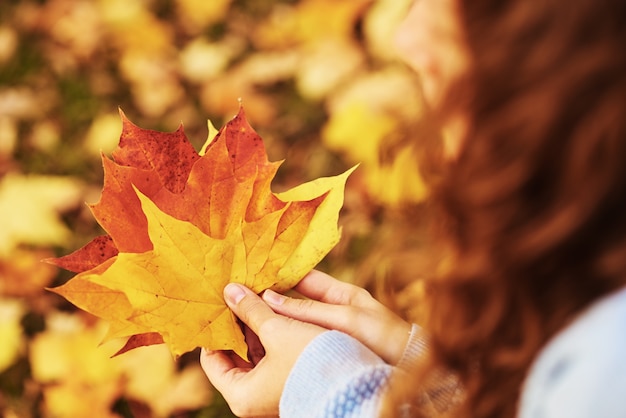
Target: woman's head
431, 41
545, 153
534, 201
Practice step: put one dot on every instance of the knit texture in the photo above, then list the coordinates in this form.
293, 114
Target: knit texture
335, 376
364, 389
415, 347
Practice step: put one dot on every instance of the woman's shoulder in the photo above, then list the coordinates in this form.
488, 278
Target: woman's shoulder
582, 371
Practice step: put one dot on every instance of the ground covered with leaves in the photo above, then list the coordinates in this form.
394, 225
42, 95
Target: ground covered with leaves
320, 83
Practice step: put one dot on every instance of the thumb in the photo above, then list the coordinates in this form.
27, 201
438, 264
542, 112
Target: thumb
248, 306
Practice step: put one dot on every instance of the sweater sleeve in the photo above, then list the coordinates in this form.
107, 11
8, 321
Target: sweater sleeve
415, 347
335, 376
446, 389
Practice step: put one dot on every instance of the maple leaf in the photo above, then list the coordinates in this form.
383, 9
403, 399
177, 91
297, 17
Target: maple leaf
181, 225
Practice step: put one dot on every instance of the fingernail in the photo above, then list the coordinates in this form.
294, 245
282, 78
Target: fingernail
234, 292
273, 298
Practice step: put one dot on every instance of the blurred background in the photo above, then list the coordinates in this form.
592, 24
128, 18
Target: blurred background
321, 84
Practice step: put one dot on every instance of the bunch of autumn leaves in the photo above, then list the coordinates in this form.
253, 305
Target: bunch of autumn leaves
181, 225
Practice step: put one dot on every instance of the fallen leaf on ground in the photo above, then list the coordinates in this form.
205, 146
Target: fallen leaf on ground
30, 208
77, 377
11, 334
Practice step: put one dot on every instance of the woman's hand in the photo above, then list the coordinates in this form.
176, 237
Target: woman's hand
254, 389
348, 308
277, 334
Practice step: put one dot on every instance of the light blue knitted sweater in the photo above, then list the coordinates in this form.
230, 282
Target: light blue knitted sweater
581, 373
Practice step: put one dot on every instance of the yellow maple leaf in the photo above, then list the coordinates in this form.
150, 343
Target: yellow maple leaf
184, 231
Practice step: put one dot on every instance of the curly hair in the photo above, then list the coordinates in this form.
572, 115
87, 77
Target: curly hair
533, 210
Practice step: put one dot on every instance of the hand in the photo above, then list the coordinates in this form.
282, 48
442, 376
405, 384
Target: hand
254, 389
348, 308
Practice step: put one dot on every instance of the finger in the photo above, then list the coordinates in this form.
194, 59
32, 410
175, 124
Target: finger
324, 288
327, 315
221, 369
248, 306
373, 327
231, 381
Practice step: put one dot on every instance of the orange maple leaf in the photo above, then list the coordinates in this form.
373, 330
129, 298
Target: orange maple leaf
181, 225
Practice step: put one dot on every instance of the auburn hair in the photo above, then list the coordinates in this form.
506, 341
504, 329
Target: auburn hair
533, 210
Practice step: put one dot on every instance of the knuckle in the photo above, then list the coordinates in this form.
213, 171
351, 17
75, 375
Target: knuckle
274, 333
351, 317
354, 294
362, 293
270, 327
250, 310
247, 306
303, 306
